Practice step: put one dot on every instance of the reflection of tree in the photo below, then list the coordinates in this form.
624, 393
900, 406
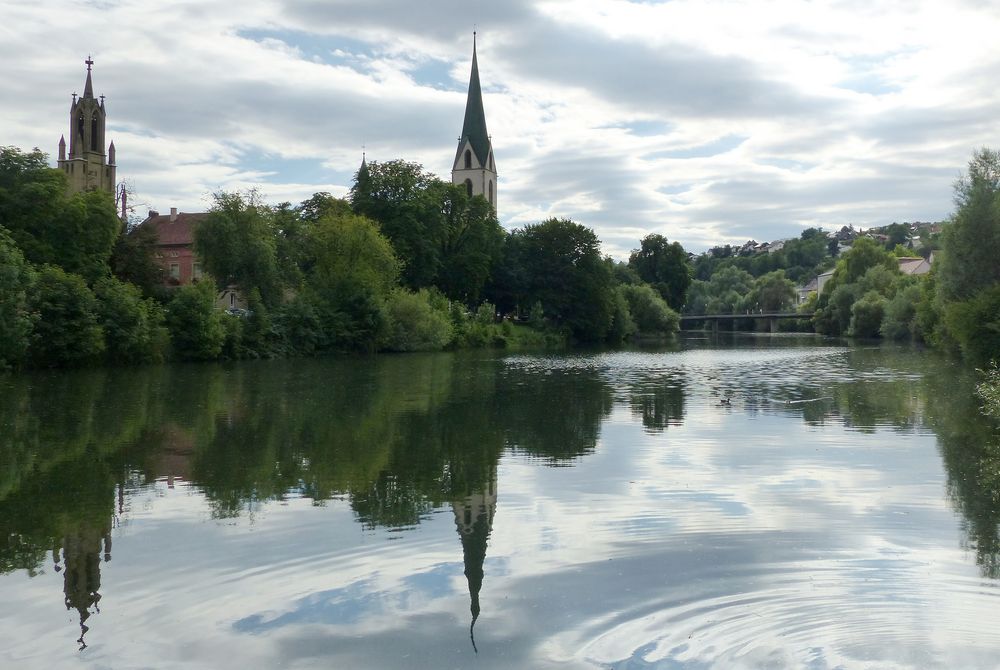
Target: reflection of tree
970, 448
659, 402
555, 414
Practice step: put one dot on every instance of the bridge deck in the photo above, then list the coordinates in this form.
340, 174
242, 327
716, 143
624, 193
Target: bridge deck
753, 315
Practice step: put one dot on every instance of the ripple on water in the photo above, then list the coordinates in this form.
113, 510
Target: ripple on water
799, 614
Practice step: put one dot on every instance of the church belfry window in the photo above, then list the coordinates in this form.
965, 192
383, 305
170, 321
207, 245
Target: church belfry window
93, 134
468, 186
491, 191
468, 159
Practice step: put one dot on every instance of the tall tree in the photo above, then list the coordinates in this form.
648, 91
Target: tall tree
237, 244
396, 195
563, 270
968, 261
664, 266
76, 232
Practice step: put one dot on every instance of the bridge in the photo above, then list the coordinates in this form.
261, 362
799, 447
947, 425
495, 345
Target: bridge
772, 317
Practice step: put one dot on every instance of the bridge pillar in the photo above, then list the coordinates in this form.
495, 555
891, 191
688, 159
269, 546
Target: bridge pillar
774, 324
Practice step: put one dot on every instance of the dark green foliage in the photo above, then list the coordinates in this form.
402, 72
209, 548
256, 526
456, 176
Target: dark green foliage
867, 314
651, 314
622, 325
133, 326
771, 293
414, 323
664, 266
353, 270
133, 260
76, 232
298, 327
900, 321
968, 262
442, 237
16, 321
195, 324
237, 245
67, 332
563, 269
975, 325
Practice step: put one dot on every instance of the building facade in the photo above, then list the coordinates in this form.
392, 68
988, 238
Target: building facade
474, 164
87, 166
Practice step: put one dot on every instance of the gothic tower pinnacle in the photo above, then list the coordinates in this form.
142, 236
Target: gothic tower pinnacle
88, 167
474, 165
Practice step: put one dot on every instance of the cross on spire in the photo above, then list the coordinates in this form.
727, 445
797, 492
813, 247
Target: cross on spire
89, 62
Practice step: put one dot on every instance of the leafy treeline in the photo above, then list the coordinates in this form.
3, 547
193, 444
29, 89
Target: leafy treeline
408, 262
955, 306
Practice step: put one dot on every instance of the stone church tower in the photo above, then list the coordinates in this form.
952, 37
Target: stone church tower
474, 164
87, 166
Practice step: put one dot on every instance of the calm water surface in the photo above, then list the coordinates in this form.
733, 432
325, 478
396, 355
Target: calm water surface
764, 503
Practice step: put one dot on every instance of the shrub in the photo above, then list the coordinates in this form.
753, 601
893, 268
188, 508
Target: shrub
867, 314
413, 323
650, 312
16, 321
900, 319
133, 326
975, 324
195, 324
67, 332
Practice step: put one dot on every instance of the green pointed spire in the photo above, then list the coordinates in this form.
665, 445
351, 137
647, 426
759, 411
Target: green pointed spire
474, 127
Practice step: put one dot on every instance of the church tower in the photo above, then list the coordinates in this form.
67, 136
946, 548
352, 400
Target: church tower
474, 164
87, 166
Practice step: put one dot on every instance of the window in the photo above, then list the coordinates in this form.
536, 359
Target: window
232, 300
93, 134
468, 159
175, 270
174, 254
491, 191
196, 271
468, 186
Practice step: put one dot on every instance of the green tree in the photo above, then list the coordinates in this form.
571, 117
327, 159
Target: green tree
353, 271
971, 241
414, 324
16, 321
650, 312
67, 332
398, 196
133, 327
237, 244
471, 243
664, 266
76, 232
867, 315
772, 293
196, 330
563, 270
133, 260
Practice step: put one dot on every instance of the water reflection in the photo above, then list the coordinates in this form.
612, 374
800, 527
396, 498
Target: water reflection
401, 439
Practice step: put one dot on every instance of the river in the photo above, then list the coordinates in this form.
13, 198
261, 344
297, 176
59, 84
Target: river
758, 502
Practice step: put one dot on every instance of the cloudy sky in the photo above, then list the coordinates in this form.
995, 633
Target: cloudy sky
706, 121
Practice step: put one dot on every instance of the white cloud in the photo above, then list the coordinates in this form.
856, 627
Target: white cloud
844, 112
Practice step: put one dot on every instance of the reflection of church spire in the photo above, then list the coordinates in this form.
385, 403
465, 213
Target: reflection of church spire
474, 520
81, 554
